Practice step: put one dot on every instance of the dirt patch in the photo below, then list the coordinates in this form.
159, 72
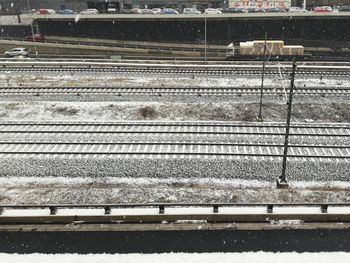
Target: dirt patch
197, 111
147, 112
12, 106
63, 110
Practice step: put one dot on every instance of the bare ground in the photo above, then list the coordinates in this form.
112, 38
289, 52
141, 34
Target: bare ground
109, 111
157, 191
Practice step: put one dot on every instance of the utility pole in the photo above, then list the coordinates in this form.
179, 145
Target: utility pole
32, 29
282, 181
259, 118
205, 38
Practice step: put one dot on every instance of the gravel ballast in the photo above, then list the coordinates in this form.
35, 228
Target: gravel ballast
177, 167
145, 178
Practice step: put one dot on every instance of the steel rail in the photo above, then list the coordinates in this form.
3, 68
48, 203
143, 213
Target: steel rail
173, 128
185, 204
173, 71
171, 64
206, 150
114, 213
179, 124
157, 91
328, 146
175, 132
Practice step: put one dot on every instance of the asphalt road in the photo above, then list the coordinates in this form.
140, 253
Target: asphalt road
176, 241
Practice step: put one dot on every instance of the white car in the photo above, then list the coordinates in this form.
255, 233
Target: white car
212, 11
169, 11
112, 9
146, 11
136, 11
295, 9
89, 12
191, 11
19, 51
156, 11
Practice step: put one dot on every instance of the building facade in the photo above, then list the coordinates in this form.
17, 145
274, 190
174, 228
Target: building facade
102, 5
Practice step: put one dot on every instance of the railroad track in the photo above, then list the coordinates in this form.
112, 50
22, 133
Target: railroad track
172, 69
158, 91
128, 145
173, 212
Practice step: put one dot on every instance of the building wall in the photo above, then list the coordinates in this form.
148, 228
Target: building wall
78, 5
10, 5
259, 3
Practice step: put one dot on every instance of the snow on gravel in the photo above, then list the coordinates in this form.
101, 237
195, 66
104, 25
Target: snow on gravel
245, 257
161, 80
48, 190
131, 110
105, 180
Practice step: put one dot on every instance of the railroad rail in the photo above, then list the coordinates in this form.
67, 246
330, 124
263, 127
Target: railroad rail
174, 213
160, 91
152, 46
179, 69
315, 142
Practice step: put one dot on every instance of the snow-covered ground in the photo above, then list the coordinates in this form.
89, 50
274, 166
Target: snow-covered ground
323, 111
73, 79
247, 257
24, 190
98, 187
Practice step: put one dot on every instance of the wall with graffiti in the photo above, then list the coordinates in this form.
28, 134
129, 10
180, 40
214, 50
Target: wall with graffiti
261, 4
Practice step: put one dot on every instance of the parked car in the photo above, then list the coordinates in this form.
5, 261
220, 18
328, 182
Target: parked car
44, 11
36, 38
232, 10
210, 11
191, 11
146, 11
294, 9
66, 12
323, 9
112, 9
18, 51
274, 10
255, 10
344, 8
89, 12
136, 11
156, 11
126, 11
169, 11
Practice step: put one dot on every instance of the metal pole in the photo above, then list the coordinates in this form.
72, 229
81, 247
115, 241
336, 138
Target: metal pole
205, 38
32, 29
262, 81
282, 181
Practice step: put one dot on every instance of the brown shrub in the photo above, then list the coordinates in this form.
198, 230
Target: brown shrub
147, 112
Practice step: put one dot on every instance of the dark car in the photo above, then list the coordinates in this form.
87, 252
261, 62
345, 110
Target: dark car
255, 10
66, 12
36, 38
232, 10
275, 10
344, 8
170, 11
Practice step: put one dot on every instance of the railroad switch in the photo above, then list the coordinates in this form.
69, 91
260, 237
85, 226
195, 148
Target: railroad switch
282, 184
53, 210
161, 209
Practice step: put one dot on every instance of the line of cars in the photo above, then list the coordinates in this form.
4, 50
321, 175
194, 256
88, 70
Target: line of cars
153, 11
193, 11
294, 9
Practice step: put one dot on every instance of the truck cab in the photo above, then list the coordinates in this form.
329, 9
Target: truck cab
112, 9
230, 51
